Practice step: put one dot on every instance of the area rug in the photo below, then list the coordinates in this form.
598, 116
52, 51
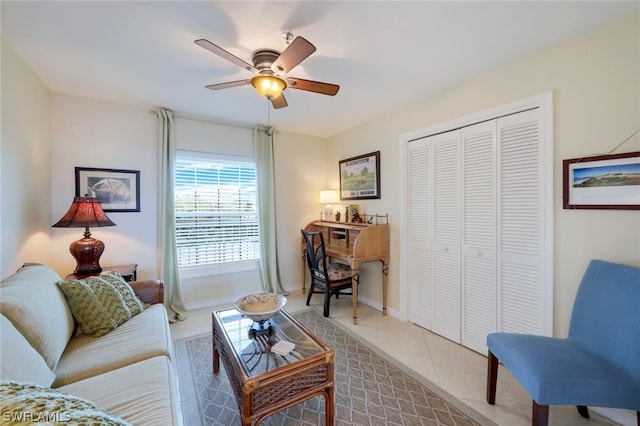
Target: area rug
369, 390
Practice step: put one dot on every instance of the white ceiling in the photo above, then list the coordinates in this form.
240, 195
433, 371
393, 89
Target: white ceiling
382, 54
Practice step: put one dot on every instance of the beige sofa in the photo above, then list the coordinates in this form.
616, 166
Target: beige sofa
127, 372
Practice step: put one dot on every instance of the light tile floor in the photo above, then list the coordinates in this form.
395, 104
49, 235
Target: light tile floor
459, 372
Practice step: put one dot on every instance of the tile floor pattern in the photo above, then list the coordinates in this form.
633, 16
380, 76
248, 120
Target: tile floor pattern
369, 390
457, 371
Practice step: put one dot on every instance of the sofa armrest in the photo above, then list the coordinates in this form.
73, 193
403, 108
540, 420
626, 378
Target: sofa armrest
149, 291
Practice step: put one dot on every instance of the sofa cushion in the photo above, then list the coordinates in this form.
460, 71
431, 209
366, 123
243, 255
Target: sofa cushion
22, 403
144, 336
101, 303
19, 361
143, 393
34, 304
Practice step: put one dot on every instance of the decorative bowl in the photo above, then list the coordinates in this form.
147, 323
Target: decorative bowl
260, 306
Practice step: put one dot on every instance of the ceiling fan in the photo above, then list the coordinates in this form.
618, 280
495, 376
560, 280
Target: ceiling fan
271, 67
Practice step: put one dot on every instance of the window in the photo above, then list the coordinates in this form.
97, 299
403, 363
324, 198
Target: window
216, 212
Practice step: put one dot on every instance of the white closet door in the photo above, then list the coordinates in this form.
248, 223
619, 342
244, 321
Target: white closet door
446, 234
419, 239
478, 217
478, 227
520, 223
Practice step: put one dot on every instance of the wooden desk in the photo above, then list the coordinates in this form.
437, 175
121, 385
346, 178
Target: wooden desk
129, 272
355, 244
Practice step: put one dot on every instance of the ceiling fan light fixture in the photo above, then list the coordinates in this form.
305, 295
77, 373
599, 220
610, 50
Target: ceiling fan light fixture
268, 86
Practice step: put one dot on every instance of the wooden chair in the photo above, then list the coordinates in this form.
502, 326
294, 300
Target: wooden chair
598, 364
326, 278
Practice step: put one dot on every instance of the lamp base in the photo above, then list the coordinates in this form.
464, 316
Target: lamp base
87, 252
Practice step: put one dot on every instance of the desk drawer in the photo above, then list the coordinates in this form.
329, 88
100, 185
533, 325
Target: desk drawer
338, 238
340, 243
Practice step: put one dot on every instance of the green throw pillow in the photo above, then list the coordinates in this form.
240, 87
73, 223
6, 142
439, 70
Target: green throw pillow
132, 301
95, 304
27, 404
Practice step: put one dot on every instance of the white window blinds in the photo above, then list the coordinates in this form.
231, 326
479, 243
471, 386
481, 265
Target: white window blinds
216, 209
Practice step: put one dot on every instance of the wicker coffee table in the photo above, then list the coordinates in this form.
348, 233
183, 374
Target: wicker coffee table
264, 382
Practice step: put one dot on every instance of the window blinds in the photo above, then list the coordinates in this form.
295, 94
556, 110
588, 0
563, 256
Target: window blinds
216, 210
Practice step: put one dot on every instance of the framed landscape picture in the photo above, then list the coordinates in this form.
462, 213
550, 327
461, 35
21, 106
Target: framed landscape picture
360, 177
602, 182
117, 190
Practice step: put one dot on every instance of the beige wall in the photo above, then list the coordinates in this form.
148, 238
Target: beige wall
596, 89
300, 176
25, 166
89, 133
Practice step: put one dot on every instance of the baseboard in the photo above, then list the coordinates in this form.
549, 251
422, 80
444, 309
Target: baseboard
228, 300
210, 303
378, 306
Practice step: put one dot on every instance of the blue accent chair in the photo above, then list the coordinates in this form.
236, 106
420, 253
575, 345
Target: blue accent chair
598, 364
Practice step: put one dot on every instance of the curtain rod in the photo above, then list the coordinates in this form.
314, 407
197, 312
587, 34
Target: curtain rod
204, 119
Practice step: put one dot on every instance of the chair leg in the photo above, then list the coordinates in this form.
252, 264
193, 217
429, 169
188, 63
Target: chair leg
638, 417
583, 410
327, 298
311, 288
539, 415
492, 378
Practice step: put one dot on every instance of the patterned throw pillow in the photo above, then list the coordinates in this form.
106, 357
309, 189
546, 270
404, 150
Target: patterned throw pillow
100, 304
95, 304
26, 404
132, 301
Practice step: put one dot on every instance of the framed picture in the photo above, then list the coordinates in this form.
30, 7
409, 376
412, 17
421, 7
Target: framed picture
602, 182
117, 190
360, 177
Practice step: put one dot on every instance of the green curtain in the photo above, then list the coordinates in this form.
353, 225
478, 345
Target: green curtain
263, 151
167, 251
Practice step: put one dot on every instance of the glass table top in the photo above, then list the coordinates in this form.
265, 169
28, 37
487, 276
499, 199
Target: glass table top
254, 351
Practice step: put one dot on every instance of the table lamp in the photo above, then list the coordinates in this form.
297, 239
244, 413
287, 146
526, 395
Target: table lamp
85, 212
328, 197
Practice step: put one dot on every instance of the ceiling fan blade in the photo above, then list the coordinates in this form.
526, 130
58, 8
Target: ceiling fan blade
228, 84
224, 54
279, 102
313, 86
296, 52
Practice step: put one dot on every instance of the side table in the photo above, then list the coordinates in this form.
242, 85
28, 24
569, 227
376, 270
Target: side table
129, 272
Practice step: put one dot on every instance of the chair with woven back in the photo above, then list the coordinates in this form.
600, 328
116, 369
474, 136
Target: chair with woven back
328, 278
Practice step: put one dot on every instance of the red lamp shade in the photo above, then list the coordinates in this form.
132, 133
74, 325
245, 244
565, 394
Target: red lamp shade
84, 213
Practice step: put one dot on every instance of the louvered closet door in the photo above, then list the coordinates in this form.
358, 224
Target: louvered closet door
446, 234
520, 223
419, 222
478, 227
